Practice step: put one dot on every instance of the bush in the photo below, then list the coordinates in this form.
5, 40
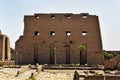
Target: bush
107, 55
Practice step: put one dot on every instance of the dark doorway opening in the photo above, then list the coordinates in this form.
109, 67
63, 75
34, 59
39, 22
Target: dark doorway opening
67, 54
35, 53
52, 53
83, 57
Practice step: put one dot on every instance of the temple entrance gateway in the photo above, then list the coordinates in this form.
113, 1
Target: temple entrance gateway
55, 30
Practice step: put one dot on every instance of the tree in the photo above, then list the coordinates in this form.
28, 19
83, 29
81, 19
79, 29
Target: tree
107, 55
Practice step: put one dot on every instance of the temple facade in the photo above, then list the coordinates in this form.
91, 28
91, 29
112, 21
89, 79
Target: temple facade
54, 39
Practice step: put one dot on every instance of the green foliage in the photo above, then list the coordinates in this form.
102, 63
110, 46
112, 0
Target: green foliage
114, 54
107, 55
81, 47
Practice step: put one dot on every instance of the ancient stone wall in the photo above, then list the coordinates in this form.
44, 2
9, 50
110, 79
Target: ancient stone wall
113, 63
54, 38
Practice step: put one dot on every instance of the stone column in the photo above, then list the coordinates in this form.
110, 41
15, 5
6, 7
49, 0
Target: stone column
8, 49
3, 47
5, 52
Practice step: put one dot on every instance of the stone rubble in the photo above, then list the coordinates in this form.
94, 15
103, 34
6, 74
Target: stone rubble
53, 74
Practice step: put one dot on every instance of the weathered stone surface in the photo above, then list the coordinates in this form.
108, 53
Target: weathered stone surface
113, 63
100, 75
54, 38
48, 74
5, 54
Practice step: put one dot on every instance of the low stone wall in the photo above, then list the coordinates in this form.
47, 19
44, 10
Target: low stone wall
39, 69
96, 77
112, 77
82, 77
7, 63
78, 76
23, 69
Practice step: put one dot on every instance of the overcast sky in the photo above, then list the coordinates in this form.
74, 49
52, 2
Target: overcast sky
12, 13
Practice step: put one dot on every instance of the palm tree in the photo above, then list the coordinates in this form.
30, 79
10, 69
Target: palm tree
82, 56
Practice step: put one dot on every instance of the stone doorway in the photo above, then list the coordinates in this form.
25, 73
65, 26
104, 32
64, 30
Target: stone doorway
52, 53
83, 57
67, 54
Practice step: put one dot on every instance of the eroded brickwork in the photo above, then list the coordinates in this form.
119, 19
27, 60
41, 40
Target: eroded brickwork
54, 38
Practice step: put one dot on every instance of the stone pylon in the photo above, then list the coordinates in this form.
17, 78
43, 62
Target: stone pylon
54, 39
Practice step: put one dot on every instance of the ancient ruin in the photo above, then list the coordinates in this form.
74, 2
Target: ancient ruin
55, 38
5, 54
